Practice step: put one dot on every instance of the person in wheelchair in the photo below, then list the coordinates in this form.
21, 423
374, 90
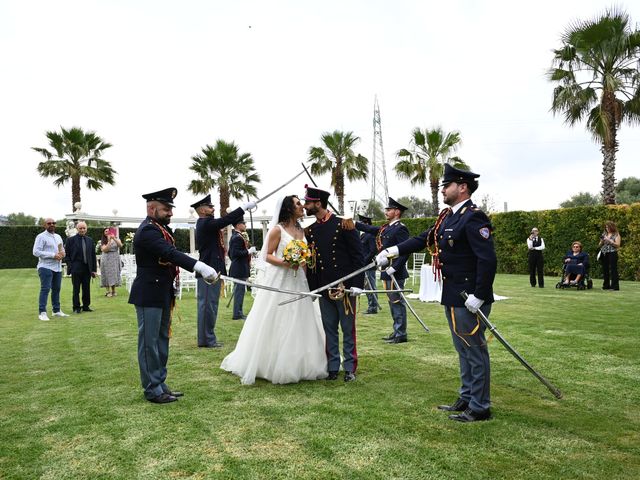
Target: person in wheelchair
576, 264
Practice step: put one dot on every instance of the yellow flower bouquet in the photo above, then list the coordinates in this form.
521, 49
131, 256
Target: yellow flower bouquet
296, 253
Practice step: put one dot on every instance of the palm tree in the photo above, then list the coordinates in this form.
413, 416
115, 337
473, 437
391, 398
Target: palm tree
337, 156
424, 160
224, 167
597, 72
76, 155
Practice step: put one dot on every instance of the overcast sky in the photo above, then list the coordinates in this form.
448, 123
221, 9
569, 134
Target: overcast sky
161, 79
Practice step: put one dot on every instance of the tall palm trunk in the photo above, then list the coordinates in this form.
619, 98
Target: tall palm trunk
609, 148
224, 199
75, 192
434, 196
339, 185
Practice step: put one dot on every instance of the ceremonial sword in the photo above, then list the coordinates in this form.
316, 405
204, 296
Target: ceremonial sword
335, 282
399, 292
264, 287
552, 388
281, 186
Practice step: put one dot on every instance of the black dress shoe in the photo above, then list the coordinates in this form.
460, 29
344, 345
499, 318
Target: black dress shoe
77, 310
349, 377
87, 309
213, 345
402, 339
470, 416
175, 393
390, 336
241, 317
163, 398
332, 376
371, 312
458, 406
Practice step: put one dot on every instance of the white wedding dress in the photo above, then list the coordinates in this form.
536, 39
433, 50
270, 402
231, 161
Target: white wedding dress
282, 344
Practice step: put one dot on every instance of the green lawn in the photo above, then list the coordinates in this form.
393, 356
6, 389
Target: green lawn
72, 406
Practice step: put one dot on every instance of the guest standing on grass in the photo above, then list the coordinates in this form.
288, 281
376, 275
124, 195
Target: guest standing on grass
462, 243
610, 243
110, 266
153, 292
535, 244
50, 252
82, 263
370, 250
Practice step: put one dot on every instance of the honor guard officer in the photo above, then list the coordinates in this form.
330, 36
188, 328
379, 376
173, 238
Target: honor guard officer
210, 244
462, 246
337, 252
392, 233
240, 254
370, 251
153, 291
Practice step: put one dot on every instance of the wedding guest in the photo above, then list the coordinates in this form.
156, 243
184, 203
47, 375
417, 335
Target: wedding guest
463, 248
210, 244
82, 263
153, 292
338, 252
392, 233
535, 244
610, 243
240, 254
50, 252
576, 262
110, 265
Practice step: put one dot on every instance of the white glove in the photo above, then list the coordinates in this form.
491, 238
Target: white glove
249, 206
390, 270
252, 250
207, 272
473, 304
382, 259
355, 291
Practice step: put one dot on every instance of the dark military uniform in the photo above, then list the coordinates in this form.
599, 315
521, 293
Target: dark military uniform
210, 244
338, 252
153, 293
370, 250
240, 268
388, 235
468, 260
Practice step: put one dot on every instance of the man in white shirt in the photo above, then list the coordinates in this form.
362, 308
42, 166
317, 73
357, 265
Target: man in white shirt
50, 252
535, 243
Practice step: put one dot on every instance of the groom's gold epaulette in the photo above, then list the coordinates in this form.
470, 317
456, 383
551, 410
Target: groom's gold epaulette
347, 223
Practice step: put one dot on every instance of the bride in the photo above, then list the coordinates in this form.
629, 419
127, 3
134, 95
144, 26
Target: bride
282, 344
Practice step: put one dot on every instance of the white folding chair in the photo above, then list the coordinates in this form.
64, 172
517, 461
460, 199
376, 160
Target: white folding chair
418, 261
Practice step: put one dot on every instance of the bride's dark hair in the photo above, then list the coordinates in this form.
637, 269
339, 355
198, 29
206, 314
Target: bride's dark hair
288, 209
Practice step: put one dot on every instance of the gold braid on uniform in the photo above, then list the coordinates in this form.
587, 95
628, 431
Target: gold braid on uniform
176, 274
347, 223
432, 245
379, 236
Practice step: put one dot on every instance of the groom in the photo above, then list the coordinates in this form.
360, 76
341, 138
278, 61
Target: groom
338, 252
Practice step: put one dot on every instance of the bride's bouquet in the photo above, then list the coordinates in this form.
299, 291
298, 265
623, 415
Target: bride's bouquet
296, 253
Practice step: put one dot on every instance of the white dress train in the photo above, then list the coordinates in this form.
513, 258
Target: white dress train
282, 344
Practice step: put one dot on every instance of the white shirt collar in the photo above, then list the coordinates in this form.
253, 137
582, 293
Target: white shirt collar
458, 206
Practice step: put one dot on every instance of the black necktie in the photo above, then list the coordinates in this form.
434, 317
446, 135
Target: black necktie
84, 250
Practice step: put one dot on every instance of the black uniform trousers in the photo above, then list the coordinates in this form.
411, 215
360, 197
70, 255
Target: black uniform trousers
536, 265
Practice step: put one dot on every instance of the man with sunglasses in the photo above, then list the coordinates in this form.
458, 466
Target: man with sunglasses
50, 252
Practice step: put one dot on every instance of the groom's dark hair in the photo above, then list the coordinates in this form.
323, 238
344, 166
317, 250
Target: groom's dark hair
288, 209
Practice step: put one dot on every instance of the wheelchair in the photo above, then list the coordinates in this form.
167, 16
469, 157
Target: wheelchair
585, 282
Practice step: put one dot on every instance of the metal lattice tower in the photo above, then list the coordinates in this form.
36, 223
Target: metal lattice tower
379, 190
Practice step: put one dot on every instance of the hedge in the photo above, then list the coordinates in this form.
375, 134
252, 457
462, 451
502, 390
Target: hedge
558, 228
16, 243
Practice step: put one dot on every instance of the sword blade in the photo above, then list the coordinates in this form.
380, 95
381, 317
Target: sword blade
552, 388
267, 287
393, 280
386, 291
334, 283
280, 187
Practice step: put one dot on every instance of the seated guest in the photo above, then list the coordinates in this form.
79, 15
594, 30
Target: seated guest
576, 262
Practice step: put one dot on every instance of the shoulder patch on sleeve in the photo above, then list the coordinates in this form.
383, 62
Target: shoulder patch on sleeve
485, 232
